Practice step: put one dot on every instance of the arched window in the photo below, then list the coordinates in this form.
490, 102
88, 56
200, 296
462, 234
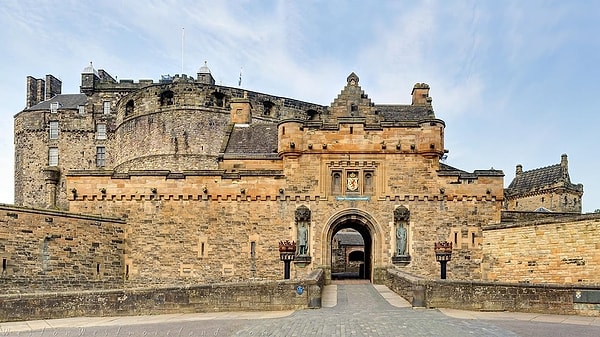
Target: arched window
129, 108
267, 108
219, 99
166, 98
312, 115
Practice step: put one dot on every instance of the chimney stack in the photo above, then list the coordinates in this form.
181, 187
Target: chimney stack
420, 94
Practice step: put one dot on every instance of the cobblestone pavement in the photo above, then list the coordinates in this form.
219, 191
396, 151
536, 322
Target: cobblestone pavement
348, 310
362, 311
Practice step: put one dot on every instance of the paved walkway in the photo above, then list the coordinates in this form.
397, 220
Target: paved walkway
348, 310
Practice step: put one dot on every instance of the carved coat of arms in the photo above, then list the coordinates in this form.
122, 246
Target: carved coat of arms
352, 184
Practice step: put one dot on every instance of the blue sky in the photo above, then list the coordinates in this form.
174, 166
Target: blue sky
515, 81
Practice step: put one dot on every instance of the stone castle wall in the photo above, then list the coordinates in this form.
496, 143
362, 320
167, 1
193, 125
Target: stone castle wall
44, 250
184, 135
556, 202
201, 228
554, 250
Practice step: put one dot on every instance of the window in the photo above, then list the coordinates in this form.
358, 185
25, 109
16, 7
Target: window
100, 156
129, 107
106, 107
267, 108
100, 131
54, 107
53, 130
166, 98
53, 156
81, 109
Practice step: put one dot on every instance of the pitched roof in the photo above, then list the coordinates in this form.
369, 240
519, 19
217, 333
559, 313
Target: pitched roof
404, 113
350, 239
553, 176
66, 101
253, 139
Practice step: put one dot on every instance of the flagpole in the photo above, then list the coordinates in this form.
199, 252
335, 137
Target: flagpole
182, 40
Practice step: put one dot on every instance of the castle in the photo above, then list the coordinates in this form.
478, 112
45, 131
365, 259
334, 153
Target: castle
185, 181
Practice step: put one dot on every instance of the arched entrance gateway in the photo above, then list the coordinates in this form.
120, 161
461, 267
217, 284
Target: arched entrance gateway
368, 228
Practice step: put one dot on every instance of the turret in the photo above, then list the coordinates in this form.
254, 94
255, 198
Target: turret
89, 79
204, 75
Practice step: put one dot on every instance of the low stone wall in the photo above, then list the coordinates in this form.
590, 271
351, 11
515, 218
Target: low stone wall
495, 296
243, 296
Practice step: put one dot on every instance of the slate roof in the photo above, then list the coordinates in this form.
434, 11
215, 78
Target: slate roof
540, 179
253, 139
447, 170
349, 239
66, 101
404, 113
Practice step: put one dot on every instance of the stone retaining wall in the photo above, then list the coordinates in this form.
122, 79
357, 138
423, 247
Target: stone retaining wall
47, 250
494, 296
243, 296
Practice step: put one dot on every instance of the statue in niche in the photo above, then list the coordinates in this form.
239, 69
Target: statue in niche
302, 239
401, 240
303, 221
401, 217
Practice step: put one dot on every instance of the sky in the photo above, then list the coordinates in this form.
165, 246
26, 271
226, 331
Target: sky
514, 81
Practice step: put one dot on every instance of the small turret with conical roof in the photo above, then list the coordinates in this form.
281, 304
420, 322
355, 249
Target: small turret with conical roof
204, 75
89, 79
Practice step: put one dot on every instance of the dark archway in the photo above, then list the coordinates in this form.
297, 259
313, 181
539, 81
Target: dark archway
365, 268
363, 223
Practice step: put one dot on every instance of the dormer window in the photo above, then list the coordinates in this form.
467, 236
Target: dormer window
81, 109
54, 107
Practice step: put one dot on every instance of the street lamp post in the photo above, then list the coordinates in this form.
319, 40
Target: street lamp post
443, 254
287, 252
